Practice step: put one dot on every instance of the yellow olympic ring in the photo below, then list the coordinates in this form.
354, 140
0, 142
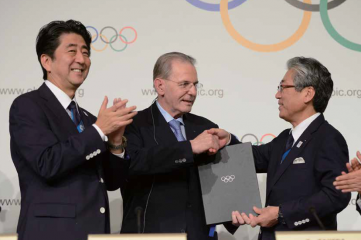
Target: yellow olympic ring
262, 47
99, 50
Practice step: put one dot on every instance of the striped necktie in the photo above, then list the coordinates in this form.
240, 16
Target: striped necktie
75, 116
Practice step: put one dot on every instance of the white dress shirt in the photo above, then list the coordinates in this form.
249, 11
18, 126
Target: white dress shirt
300, 128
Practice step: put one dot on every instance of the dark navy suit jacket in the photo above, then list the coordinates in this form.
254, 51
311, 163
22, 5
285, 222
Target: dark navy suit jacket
299, 187
63, 174
163, 177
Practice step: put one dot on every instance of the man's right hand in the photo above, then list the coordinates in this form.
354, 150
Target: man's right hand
204, 142
112, 118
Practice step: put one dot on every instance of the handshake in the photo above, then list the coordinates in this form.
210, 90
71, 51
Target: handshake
210, 141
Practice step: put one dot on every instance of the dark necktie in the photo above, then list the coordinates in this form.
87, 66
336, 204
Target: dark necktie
289, 145
75, 116
175, 125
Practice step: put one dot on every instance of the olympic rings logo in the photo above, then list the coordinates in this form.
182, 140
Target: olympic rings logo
227, 179
306, 5
257, 142
109, 41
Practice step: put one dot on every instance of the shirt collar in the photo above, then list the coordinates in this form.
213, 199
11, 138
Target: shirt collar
167, 116
62, 97
300, 128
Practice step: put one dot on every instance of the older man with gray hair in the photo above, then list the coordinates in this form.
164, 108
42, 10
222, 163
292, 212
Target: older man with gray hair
166, 144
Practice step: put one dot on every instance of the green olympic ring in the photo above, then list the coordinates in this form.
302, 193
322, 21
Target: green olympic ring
111, 40
332, 31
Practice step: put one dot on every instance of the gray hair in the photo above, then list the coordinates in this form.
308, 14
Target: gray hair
163, 66
311, 73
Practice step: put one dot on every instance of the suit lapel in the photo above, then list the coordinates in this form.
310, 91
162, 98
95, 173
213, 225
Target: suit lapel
295, 152
191, 129
58, 112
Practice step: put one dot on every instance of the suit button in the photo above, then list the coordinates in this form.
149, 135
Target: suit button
87, 157
91, 155
182, 231
98, 151
303, 221
101, 180
102, 210
307, 220
95, 153
296, 223
184, 160
176, 161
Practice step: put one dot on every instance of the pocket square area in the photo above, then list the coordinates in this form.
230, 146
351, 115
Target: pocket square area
299, 160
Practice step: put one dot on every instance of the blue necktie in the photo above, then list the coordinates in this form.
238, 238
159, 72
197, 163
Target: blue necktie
175, 125
289, 145
75, 116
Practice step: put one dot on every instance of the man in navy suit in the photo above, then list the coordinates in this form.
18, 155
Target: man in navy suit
302, 162
166, 143
64, 162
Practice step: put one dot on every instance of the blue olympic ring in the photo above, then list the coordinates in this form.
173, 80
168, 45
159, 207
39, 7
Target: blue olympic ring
214, 7
95, 31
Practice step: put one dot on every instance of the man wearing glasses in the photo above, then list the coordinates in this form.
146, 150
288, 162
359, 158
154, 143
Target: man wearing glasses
166, 143
302, 162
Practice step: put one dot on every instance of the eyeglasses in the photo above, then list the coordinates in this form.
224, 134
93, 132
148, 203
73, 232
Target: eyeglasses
280, 87
187, 85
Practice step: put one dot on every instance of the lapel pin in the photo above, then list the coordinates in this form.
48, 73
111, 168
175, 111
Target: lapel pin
299, 144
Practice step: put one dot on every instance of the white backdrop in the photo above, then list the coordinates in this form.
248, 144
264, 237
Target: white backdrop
239, 82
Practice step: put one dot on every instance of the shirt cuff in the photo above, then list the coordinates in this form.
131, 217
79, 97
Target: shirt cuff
120, 155
102, 135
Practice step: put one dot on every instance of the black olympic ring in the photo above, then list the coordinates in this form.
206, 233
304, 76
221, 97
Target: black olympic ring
227, 179
314, 7
101, 34
250, 134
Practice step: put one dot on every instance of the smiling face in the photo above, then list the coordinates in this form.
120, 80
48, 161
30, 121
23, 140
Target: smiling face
70, 65
171, 96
